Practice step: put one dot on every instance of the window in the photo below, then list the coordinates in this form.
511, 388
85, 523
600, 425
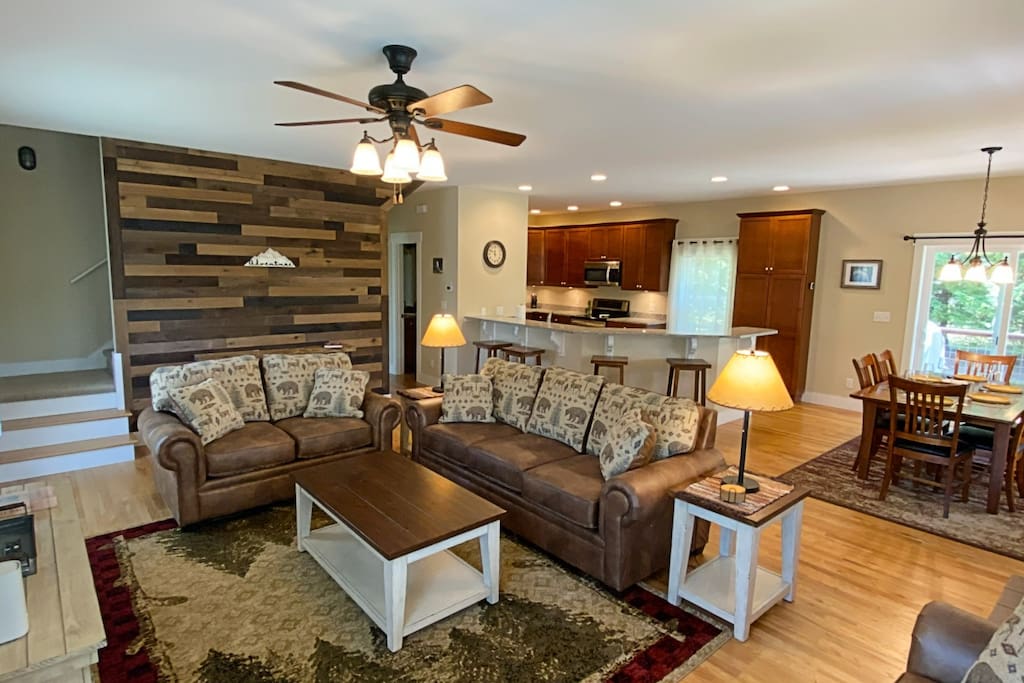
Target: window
701, 283
969, 316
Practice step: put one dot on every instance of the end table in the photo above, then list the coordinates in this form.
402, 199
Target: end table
406, 396
732, 586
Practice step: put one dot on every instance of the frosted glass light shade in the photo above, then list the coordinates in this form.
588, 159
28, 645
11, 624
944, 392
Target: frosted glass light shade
750, 381
366, 161
443, 332
407, 156
393, 174
976, 271
431, 165
1002, 274
951, 272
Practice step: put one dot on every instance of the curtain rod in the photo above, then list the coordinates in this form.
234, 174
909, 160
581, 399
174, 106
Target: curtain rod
914, 238
724, 241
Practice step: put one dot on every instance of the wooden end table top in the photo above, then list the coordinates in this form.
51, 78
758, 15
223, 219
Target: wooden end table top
394, 504
755, 519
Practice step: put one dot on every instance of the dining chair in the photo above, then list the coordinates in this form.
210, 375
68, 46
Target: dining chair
982, 439
866, 369
930, 435
885, 364
984, 365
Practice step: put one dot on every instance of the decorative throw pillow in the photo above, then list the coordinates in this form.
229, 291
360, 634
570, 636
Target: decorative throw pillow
1002, 660
337, 393
290, 377
467, 398
564, 404
615, 401
676, 422
629, 444
207, 409
239, 375
515, 388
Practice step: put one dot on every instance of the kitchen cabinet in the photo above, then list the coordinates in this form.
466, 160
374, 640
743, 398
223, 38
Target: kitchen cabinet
577, 241
646, 253
775, 270
534, 257
554, 257
605, 242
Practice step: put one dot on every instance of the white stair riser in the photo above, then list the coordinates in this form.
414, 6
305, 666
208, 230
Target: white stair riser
17, 410
66, 463
55, 434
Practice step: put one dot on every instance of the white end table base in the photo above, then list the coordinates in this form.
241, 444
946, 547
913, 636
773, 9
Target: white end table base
733, 586
392, 617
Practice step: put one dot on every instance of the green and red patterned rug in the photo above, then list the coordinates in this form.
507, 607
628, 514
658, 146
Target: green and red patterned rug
232, 600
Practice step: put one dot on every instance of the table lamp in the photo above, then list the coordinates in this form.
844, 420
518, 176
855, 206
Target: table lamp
750, 382
442, 332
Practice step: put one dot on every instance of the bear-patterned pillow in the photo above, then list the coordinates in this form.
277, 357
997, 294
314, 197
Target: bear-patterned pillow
467, 398
630, 444
207, 409
1002, 660
290, 378
239, 375
515, 388
564, 406
676, 421
337, 393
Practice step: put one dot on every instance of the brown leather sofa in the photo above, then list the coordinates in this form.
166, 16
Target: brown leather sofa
252, 466
618, 531
947, 640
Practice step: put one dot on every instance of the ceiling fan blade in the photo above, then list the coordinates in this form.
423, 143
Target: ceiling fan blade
327, 122
326, 93
454, 99
473, 131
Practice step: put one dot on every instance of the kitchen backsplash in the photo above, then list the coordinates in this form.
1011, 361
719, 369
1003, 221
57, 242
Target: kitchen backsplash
577, 297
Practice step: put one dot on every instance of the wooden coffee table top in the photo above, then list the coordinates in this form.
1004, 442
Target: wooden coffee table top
394, 504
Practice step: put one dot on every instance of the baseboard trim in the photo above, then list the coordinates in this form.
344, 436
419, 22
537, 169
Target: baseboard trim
832, 401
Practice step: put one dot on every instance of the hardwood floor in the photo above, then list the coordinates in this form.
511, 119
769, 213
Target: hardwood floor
861, 580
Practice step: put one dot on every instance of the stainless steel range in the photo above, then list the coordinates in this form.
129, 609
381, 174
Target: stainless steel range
602, 310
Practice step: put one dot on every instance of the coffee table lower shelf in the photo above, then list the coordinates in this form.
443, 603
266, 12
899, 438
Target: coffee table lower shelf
712, 587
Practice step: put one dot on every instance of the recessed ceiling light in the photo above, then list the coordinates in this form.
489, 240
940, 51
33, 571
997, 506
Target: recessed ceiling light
525, 188
573, 207
599, 177
615, 203
534, 211
719, 178
780, 188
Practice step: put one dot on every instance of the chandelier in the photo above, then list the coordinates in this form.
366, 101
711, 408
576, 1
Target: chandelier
401, 163
979, 268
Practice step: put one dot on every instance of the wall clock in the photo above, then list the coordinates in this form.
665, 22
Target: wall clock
494, 254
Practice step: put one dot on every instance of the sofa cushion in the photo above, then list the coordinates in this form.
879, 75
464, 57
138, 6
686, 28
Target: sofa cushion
467, 398
676, 421
515, 388
289, 378
325, 435
337, 393
630, 444
239, 375
453, 438
612, 405
1002, 660
503, 460
570, 488
564, 406
255, 446
207, 409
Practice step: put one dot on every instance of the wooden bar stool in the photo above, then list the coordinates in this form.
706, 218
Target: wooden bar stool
521, 354
491, 346
619, 362
698, 366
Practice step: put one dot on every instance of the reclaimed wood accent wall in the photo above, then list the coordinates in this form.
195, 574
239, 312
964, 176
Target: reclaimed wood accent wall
183, 222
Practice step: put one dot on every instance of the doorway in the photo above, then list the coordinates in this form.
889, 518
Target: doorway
409, 326
405, 285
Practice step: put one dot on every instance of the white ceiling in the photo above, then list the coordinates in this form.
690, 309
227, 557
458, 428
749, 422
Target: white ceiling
658, 94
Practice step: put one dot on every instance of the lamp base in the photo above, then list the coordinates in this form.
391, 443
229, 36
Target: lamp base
749, 483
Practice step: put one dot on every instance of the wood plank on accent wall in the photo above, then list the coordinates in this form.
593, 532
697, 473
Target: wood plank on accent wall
183, 222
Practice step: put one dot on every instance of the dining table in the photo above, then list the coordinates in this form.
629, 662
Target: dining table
1000, 418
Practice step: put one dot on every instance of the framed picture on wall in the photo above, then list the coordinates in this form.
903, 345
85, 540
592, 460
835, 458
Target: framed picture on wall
861, 274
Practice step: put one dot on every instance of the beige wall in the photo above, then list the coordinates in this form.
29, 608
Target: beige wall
866, 223
53, 228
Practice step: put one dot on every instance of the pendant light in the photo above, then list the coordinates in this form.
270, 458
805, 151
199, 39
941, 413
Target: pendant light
431, 164
365, 161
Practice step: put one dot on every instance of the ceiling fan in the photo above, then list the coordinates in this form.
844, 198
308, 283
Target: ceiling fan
402, 106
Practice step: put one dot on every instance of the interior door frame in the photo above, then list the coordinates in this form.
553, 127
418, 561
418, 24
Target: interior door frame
396, 350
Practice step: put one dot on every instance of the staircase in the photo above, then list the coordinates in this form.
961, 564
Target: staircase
63, 421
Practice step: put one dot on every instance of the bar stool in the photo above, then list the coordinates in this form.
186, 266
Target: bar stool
698, 366
491, 346
619, 362
521, 354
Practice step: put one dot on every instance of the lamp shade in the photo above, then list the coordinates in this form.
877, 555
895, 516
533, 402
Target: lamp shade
750, 381
393, 174
443, 332
407, 156
365, 160
951, 271
1002, 274
431, 165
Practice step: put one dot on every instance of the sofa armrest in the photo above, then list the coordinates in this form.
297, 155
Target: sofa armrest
418, 416
383, 414
946, 642
174, 446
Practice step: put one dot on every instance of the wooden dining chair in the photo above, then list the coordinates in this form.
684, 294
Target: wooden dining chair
930, 434
885, 364
982, 438
866, 369
984, 365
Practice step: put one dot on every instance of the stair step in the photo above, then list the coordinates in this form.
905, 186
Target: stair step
68, 448
62, 419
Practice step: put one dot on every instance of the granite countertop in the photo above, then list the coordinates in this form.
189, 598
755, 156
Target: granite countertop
735, 332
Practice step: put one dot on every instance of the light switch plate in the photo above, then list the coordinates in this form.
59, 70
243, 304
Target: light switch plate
882, 317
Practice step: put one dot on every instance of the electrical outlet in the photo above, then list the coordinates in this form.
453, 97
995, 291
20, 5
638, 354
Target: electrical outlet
849, 383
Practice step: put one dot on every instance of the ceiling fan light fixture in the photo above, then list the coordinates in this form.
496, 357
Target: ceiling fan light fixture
432, 164
951, 271
366, 161
393, 174
1002, 273
407, 155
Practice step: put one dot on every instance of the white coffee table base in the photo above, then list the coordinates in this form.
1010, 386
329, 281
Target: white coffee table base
409, 592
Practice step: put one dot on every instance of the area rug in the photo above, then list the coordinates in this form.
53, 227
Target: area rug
831, 479
232, 601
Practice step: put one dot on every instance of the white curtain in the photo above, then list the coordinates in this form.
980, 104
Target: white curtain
701, 283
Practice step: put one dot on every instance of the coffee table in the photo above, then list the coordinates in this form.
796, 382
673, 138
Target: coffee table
388, 548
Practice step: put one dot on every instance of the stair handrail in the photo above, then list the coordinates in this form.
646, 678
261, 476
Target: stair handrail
88, 270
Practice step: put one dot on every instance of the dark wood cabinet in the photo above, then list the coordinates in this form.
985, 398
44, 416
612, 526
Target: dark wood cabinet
646, 254
577, 241
605, 242
775, 270
534, 257
554, 257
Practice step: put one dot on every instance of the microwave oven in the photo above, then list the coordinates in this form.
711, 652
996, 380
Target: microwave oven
602, 272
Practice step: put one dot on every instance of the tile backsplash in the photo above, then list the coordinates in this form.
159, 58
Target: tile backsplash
577, 297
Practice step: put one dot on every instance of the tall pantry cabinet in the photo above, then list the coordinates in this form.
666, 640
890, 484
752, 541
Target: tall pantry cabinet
775, 271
